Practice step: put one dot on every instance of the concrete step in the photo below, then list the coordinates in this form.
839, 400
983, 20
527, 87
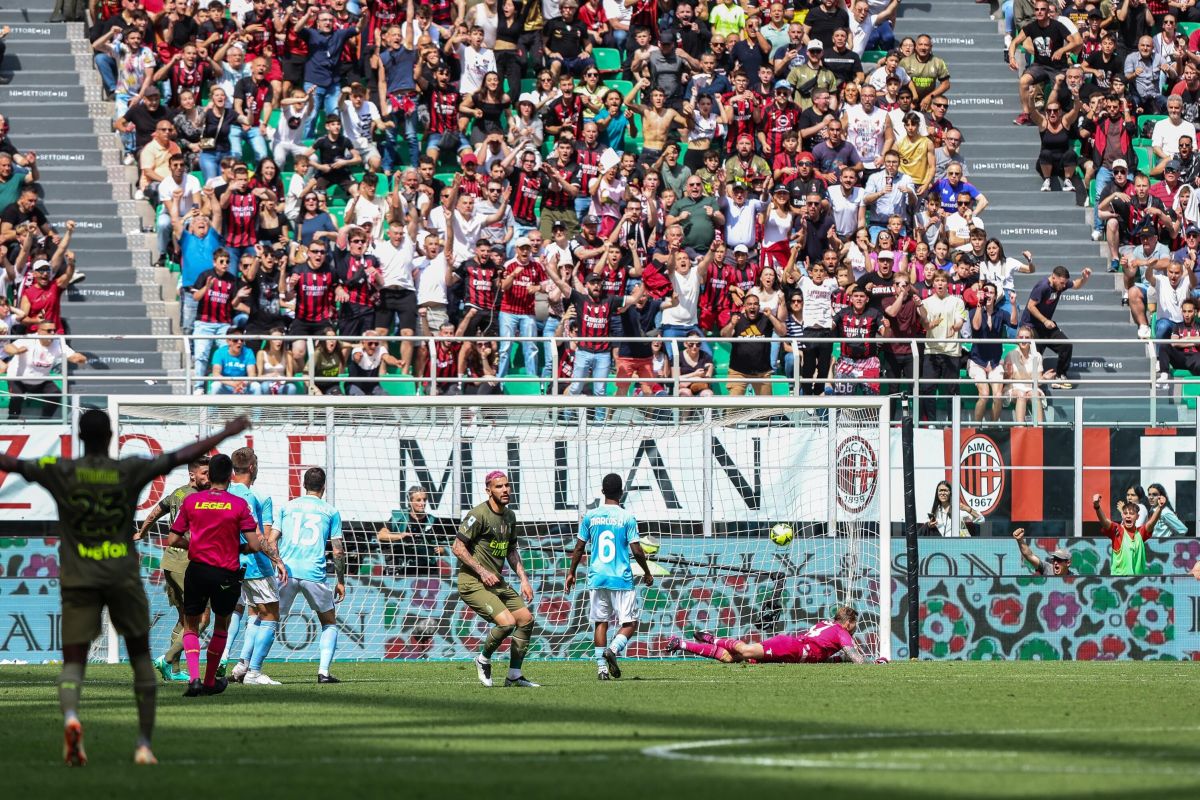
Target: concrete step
44, 60
35, 34
40, 125
88, 325
21, 96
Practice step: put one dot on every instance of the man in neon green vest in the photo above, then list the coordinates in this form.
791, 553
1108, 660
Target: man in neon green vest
1128, 538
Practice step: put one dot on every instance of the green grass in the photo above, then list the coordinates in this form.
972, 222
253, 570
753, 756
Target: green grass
911, 730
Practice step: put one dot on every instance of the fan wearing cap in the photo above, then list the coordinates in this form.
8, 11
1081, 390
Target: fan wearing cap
1056, 563
1168, 188
1127, 215
41, 300
813, 75
779, 117
522, 278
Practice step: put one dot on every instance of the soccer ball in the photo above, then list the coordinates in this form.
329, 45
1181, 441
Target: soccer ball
782, 534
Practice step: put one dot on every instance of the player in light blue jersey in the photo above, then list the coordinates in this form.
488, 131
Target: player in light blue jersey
259, 589
306, 524
609, 535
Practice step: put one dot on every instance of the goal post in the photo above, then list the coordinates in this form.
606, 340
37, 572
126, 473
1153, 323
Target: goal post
707, 478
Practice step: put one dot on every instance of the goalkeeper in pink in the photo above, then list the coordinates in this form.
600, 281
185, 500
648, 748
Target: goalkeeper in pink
831, 640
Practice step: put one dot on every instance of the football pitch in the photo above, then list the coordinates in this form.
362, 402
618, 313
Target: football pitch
674, 729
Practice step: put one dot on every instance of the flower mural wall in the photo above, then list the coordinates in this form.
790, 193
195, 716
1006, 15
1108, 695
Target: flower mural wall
979, 602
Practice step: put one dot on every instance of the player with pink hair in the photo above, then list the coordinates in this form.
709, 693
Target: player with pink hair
830, 640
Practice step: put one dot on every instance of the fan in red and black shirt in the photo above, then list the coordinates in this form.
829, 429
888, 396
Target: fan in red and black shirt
527, 184
587, 156
593, 319
311, 285
217, 296
562, 185
778, 118
566, 113
442, 99
41, 299
357, 279
252, 102
239, 208
521, 280
186, 71
742, 105
445, 361
479, 276
859, 358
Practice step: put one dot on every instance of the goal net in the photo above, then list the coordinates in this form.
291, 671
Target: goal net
707, 479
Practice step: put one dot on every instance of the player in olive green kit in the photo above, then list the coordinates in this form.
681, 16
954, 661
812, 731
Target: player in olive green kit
174, 565
96, 497
486, 539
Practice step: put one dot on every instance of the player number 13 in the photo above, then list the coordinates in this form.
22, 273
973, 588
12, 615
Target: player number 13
306, 529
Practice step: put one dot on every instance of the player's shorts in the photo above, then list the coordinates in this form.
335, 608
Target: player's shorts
127, 606
614, 605
206, 585
259, 590
786, 649
318, 594
488, 601
173, 586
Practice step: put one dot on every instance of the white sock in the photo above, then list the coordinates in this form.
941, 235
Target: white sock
484, 659
513, 674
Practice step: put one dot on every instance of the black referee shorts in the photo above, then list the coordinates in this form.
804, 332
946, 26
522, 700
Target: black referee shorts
205, 585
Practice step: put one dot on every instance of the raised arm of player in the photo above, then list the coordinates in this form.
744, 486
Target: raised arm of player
1105, 522
190, 452
514, 561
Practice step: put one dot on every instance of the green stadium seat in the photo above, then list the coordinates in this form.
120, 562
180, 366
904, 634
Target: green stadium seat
607, 59
624, 87
1189, 389
874, 56
527, 85
1151, 118
445, 177
1145, 158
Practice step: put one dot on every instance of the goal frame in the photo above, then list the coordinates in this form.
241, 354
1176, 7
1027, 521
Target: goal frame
784, 403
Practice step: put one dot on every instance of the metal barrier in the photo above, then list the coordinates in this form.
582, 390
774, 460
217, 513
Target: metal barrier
189, 382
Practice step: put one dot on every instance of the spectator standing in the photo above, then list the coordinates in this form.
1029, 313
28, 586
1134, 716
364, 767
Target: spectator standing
943, 316
928, 74
521, 279
856, 325
1051, 42
1056, 564
1127, 537
321, 67
889, 192
409, 539
1169, 523
217, 296
751, 361
31, 361
941, 520
1166, 134
985, 361
1039, 316
698, 214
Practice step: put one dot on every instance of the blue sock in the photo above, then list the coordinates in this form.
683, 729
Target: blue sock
248, 638
328, 648
235, 624
262, 643
620, 643
600, 659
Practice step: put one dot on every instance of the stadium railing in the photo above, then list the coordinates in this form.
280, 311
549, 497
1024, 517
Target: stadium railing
186, 381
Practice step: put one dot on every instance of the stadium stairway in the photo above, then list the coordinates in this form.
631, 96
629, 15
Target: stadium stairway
54, 106
1000, 162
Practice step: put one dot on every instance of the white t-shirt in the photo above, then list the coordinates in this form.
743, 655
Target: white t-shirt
1170, 299
898, 129
860, 33
1000, 272
958, 225
287, 135
950, 309
38, 359
845, 209
357, 123
818, 302
475, 64
879, 75
739, 223
1166, 135
618, 11
687, 291
466, 233
431, 286
190, 187
396, 262
777, 227
370, 211
866, 132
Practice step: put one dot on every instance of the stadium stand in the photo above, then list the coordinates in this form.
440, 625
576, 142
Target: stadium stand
474, 98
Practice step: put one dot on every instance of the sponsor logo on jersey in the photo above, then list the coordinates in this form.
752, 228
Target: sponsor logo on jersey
857, 474
981, 472
104, 551
211, 505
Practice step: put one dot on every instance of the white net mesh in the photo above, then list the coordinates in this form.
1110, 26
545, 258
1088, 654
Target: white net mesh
706, 486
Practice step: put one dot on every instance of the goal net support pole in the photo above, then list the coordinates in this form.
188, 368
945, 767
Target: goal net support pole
707, 478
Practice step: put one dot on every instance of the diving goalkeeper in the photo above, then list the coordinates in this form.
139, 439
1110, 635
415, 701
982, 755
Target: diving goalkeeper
828, 641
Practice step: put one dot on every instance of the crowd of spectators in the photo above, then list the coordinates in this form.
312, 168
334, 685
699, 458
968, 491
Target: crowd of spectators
1114, 89
566, 172
37, 266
